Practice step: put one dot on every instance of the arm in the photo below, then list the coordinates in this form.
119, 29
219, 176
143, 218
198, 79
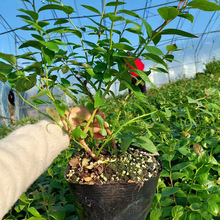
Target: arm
24, 155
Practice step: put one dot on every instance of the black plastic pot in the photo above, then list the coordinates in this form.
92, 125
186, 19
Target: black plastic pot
115, 201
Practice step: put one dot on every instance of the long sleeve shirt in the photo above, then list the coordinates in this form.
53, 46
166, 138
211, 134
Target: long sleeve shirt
24, 155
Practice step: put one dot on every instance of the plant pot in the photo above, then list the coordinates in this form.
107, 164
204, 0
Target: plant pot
113, 201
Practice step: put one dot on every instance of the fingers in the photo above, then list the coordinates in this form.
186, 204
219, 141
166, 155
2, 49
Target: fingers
79, 114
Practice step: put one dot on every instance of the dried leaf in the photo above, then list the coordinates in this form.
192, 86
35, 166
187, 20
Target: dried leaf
91, 166
85, 162
185, 133
44, 203
87, 179
74, 162
53, 114
100, 169
198, 149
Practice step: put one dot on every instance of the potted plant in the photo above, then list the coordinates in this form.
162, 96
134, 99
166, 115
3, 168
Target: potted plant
115, 176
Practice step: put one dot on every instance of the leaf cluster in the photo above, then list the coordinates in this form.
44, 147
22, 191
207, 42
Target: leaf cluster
93, 66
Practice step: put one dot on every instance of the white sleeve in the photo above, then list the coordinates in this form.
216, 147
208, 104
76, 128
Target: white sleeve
24, 155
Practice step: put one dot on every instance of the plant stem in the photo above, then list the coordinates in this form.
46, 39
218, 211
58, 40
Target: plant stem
112, 26
32, 105
87, 149
84, 49
90, 120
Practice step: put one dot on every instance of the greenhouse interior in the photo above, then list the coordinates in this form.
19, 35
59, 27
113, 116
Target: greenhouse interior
110, 110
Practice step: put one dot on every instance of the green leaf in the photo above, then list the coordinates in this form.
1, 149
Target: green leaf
100, 121
115, 3
60, 214
145, 143
125, 40
19, 207
137, 26
24, 198
91, 9
61, 21
65, 82
154, 50
187, 16
204, 5
128, 12
60, 107
181, 166
159, 69
147, 27
37, 26
169, 191
195, 216
177, 175
113, 17
9, 58
144, 76
52, 46
172, 47
122, 46
39, 38
133, 30
156, 39
43, 23
137, 92
34, 212
98, 99
169, 57
211, 91
40, 94
58, 42
67, 9
27, 1
25, 17
90, 71
34, 66
78, 133
213, 207
178, 32
177, 211
3, 77
26, 82
126, 141
28, 56
190, 117
5, 68
31, 43
48, 55
155, 58
195, 206
65, 69
168, 13
100, 67
36, 218
40, 102
155, 214
33, 14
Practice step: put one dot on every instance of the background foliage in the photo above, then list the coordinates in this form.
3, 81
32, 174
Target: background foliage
188, 113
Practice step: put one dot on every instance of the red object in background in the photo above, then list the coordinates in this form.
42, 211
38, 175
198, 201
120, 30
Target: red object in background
139, 64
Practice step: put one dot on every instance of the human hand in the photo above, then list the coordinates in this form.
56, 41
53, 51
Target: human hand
77, 115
